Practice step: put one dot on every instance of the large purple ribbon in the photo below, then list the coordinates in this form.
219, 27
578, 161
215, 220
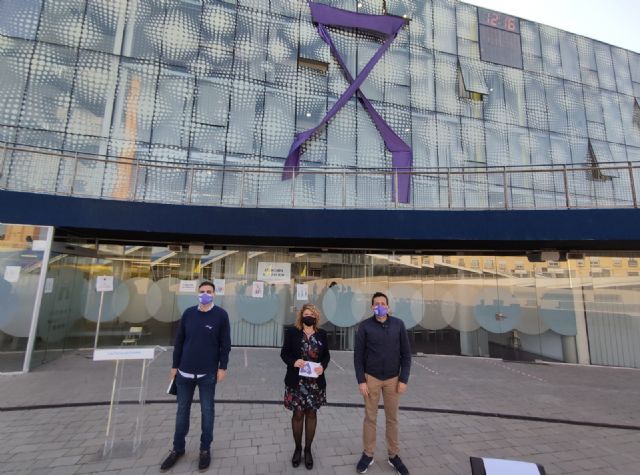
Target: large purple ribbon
401, 156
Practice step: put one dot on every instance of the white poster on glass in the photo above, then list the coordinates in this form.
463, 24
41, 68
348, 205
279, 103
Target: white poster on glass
257, 290
48, 285
188, 286
219, 284
12, 273
302, 292
274, 271
104, 283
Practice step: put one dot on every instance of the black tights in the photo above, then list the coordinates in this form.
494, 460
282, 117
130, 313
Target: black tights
307, 418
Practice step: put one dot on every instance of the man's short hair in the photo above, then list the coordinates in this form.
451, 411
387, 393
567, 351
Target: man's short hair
379, 294
209, 283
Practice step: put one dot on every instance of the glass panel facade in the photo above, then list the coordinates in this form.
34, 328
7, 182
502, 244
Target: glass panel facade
515, 307
225, 82
22, 251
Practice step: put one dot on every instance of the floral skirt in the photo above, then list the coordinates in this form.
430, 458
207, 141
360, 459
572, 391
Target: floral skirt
308, 395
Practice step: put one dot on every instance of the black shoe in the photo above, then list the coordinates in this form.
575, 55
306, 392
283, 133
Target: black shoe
308, 459
297, 456
204, 460
171, 460
396, 463
364, 463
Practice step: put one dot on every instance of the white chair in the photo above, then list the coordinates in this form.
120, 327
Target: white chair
133, 336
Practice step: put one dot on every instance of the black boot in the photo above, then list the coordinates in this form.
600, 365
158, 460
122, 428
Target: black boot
297, 457
308, 459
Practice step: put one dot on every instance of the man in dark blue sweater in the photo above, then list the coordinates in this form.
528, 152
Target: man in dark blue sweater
382, 360
200, 358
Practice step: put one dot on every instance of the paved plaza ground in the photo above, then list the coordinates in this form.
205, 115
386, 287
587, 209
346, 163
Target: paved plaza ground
571, 419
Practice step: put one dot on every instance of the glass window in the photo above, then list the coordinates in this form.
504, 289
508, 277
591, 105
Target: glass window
473, 142
212, 102
569, 56
449, 144
174, 103
606, 76
536, 101
143, 33
556, 105
494, 105
246, 103
14, 57
46, 104
622, 71
550, 51
135, 100
444, 27
575, 109
251, 43
341, 136
612, 117
560, 150
422, 83
497, 147
472, 75
540, 148
19, 18
530, 38
370, 145
396, 69
181, 34
424, 140
218, 25
514, 97
311, 45
95, 81
101, 23
62, 21
373, 86
421, 24
467, 21
446, 83
281, 66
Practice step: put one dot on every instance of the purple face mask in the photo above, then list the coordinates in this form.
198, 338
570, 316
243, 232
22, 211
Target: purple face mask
205, 299
380, 311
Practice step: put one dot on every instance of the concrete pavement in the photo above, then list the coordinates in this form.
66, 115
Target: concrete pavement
571, 419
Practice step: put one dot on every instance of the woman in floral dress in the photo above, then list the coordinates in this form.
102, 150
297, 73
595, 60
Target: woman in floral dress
305, 384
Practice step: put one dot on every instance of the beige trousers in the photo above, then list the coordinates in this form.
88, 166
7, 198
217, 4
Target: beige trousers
391, 402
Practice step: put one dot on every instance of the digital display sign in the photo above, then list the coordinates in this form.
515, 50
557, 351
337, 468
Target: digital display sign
499, 38
498, 20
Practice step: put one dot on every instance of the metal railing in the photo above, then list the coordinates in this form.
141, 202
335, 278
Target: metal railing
29, 169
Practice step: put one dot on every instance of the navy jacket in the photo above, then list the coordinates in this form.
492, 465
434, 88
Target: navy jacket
382, 350
291, 351
203, 341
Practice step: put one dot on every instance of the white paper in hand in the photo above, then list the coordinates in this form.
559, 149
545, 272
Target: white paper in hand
309, 369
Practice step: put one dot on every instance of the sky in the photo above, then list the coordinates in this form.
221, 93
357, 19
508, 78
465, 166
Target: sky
616, 22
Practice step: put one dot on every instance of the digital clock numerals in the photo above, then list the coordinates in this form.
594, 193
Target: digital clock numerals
498, 20
501, 21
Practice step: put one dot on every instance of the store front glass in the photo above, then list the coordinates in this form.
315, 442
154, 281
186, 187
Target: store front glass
578, 310
22, 251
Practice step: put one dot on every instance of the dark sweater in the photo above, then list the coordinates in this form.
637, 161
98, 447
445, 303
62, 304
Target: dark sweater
382, 350
203, 341
292, 351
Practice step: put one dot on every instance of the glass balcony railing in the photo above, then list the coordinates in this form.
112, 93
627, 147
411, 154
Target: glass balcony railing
608, 185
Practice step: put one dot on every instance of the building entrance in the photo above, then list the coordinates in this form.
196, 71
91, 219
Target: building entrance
463, 304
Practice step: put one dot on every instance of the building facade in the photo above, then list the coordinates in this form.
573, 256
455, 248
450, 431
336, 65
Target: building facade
480, 168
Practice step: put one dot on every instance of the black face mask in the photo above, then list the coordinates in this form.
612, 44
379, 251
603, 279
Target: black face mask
309, 321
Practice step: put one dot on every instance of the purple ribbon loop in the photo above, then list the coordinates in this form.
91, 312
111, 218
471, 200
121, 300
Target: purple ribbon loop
387, 25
